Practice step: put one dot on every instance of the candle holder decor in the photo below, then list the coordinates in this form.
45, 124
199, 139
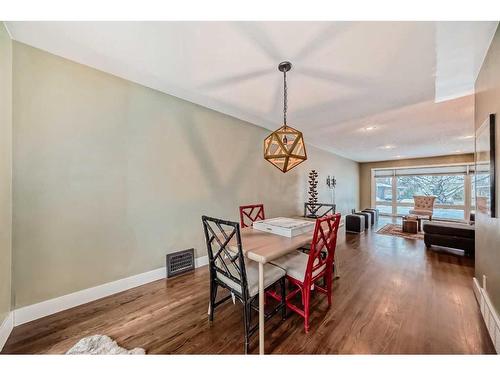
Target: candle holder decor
313, 187
331, 182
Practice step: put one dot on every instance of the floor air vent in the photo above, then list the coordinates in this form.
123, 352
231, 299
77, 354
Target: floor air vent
180, 262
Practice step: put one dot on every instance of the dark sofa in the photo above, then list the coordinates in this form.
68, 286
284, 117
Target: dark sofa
448, 234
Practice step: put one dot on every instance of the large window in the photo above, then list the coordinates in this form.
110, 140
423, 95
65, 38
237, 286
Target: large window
448, 189
452, 186
383, 194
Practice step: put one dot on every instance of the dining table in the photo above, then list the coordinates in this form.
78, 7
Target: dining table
264, 247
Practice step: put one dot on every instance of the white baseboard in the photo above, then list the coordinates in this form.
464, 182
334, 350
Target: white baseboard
490, 315
39, 310
201, 261
6, 328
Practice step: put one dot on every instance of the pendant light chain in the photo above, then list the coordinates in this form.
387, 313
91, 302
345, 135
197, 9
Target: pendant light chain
285, 97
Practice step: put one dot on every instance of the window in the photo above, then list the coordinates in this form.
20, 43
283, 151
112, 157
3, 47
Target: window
453, 187
384, 210
384, 189
482, 184
448, 189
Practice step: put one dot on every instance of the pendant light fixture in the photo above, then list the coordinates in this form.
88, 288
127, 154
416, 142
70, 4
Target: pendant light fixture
284, 148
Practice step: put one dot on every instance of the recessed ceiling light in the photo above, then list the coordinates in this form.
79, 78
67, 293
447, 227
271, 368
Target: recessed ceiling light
398, 156
457, 151
369, 128
388, 147
467, 137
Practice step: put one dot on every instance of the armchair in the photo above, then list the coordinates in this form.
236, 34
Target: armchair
424, 205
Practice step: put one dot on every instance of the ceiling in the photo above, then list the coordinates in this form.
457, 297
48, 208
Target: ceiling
365, 90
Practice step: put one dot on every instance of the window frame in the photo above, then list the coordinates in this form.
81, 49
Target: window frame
394, 204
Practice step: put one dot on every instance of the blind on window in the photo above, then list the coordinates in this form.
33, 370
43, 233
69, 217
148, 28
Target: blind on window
441, 170
384, 172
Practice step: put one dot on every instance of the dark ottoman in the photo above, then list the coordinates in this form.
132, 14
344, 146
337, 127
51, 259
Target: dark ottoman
368, 218
374, 210
354, 223
373, 215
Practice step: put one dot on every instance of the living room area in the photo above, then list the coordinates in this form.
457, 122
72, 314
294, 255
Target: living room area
433, 198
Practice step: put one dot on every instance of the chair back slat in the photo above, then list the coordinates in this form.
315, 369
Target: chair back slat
251, 213
324, 239
219, 234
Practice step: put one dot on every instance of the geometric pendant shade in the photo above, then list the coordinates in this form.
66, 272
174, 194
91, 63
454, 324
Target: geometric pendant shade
284, 148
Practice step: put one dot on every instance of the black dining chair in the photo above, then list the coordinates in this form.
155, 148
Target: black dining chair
317, 210
230, 270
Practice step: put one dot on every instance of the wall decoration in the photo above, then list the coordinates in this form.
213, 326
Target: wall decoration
285, 148
484, 176
313, 187
331, 182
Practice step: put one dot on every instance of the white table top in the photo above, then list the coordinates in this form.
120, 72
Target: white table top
263, 247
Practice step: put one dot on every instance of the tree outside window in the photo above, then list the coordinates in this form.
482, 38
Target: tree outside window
448, 189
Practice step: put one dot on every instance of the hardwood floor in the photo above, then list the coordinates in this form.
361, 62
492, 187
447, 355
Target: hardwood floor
393, 296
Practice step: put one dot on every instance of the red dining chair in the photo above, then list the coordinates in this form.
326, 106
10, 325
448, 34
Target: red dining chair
304, 270
251, 213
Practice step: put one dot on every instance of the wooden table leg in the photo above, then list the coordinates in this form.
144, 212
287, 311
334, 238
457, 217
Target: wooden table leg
261, 308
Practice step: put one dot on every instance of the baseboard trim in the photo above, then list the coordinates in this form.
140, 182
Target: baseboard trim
489, 313
201, 261
39, 310
6, 328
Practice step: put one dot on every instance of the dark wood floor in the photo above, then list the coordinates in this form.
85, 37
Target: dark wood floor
394, 296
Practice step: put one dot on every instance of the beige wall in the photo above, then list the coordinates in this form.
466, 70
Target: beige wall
109, 176
346, 173
365, 170
5, 171
487, 100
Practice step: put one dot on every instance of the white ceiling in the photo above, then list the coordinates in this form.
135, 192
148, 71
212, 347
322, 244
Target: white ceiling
355, 87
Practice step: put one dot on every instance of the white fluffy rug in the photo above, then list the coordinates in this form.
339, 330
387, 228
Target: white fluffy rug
100, 344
